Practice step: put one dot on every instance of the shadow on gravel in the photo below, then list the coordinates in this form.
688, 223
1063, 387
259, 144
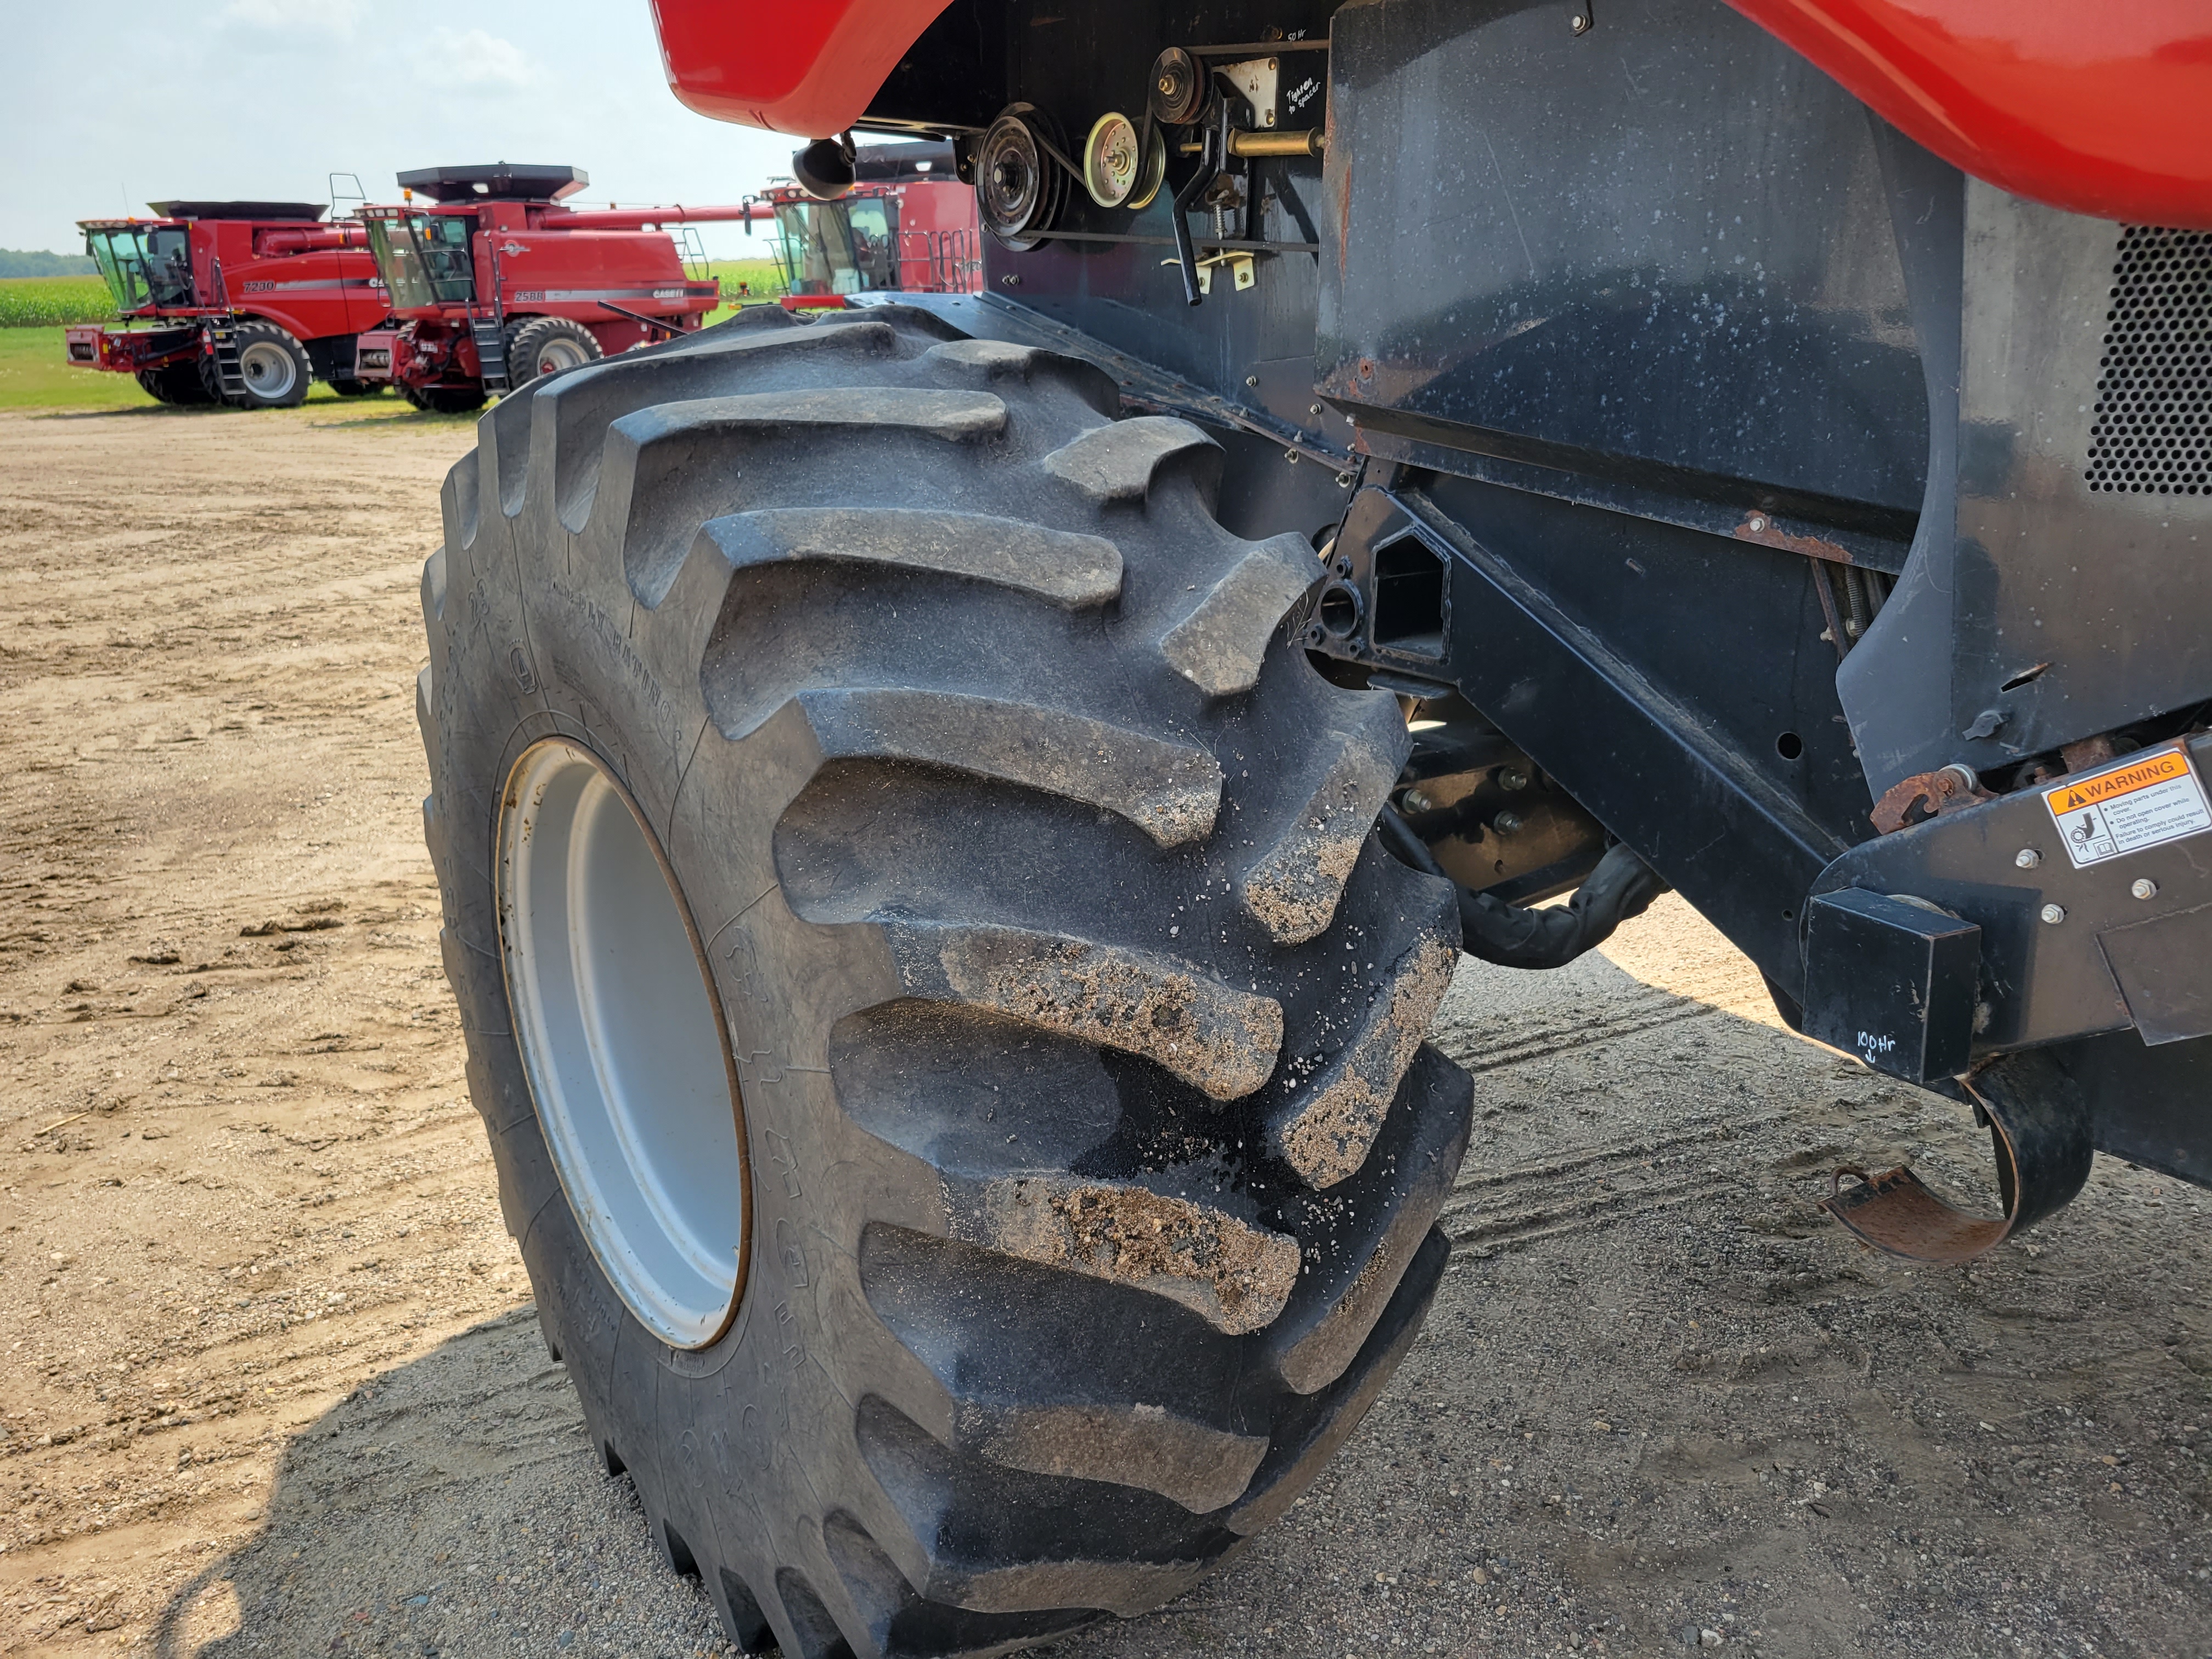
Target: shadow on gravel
450, 1507
1660, 1403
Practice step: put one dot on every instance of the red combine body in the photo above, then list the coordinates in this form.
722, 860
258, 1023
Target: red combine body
906, 222
495, 282
240, 302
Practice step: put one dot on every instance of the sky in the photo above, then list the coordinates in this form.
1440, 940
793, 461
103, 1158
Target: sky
104, 109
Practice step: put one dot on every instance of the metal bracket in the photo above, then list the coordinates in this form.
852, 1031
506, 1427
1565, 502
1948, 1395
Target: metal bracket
1257, 80
2040, 1132
1242, 271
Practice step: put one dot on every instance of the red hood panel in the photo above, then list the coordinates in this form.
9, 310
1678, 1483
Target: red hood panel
2101, 106
807, 67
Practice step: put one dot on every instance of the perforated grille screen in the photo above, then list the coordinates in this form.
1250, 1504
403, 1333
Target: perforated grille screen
2151, 433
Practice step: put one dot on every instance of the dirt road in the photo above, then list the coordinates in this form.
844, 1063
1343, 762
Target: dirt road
269, 1383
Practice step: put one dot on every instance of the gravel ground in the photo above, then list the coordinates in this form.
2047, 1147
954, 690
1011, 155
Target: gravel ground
270, 1380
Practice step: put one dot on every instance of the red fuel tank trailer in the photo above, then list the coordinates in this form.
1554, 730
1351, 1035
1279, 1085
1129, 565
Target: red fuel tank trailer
494, 281
237, 302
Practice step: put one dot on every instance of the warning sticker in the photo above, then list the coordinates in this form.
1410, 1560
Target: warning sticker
2145, 802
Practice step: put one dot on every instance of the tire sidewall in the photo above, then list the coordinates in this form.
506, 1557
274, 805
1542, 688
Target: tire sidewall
709, 1432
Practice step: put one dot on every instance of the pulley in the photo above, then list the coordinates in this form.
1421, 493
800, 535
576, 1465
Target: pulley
1177, 90
1018, 188
1122, 167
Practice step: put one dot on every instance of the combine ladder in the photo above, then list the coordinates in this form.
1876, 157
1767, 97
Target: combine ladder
223, 339
490, 341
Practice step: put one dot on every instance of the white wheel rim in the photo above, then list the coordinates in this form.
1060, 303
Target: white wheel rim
622, 1041
269, 369
557, 355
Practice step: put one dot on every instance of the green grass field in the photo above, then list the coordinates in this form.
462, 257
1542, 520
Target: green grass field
53, 301
35, 373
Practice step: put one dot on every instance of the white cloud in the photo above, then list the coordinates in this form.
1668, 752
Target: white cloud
475, 57
335, 18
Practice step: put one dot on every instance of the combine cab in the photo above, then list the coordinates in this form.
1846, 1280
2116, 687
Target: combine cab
493, 282
906, 222
237, 302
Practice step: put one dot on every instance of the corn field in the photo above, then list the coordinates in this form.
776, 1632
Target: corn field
53, 301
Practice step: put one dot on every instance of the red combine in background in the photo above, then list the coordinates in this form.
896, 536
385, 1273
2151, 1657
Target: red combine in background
493, 282
907, 221
237, 302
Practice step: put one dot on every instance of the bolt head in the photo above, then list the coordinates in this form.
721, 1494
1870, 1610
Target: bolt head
2027, 858
1506, 822
1579, 23
1251, 380
1417, 802
2144, 888
2054, 914
1758, 524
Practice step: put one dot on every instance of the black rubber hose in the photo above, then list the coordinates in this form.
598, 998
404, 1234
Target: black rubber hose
1621, 886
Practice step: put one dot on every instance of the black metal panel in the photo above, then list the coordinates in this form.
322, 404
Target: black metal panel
1659, 247
2041, 980
2081, 608
2150, 1106
1729, 632
1890, 982
1120, 292
2040, 605
1657, 773
1895, 686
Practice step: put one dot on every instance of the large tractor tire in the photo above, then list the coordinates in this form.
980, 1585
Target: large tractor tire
951, 1045
183, 384
274, 366
538, 346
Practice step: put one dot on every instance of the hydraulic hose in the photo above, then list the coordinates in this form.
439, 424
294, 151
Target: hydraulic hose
1621, 886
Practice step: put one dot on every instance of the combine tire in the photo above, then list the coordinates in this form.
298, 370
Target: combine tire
951, 1046
445, 399
176, 383
274, 365
539, 346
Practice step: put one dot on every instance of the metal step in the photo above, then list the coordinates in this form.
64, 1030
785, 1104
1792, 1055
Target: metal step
230, 378
491, 351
